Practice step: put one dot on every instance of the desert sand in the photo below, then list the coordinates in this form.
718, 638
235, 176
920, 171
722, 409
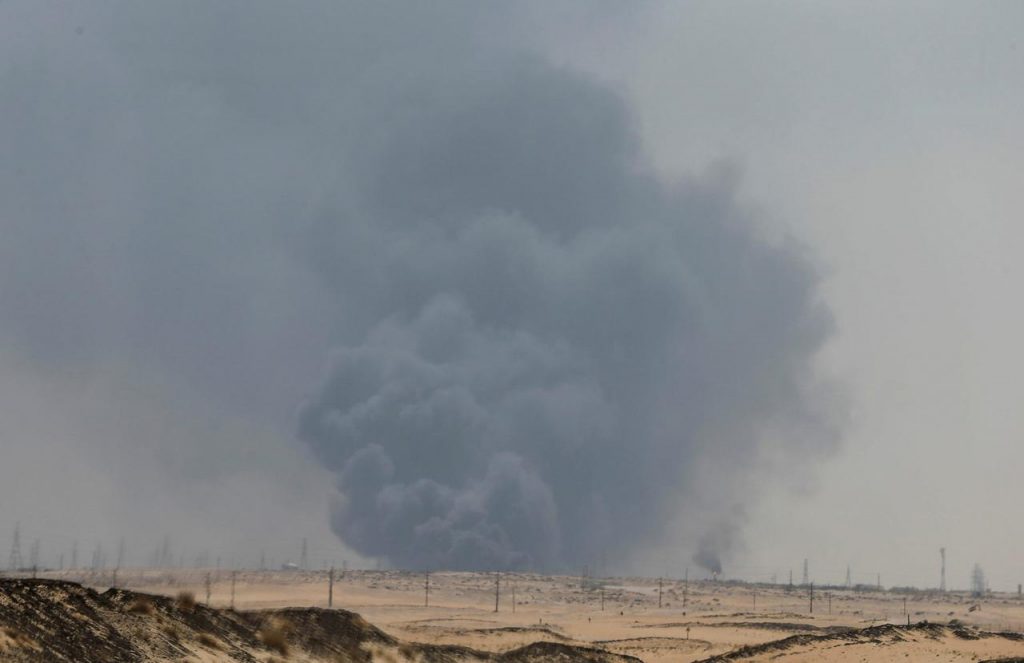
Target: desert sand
697, 620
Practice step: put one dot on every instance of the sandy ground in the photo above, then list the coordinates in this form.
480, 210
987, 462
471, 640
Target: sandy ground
696, 620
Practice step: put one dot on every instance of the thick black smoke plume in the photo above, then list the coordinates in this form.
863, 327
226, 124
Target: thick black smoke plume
555, 344
543, 355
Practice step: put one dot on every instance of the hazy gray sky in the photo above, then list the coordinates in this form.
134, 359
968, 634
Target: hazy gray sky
199, 205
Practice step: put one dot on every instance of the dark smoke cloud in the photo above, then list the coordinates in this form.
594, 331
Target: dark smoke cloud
542, 355
717, 541
554, 341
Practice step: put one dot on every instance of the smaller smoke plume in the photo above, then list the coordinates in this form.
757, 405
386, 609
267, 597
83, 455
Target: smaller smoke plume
716, 542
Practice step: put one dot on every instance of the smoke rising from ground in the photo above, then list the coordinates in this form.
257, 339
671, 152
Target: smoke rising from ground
555, 342
540, 355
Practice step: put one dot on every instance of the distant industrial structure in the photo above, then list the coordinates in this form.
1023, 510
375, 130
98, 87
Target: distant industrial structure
942, 581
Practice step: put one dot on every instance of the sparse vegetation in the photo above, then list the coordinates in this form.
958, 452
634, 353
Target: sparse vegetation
38, 615
186, 601
207, 640
171, 631
17, 639
142, 607
275, 636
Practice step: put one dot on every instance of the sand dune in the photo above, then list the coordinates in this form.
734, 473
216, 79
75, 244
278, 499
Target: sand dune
553, 618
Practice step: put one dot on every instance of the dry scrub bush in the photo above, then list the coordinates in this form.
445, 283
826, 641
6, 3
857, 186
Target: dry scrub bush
208, 640
275, 636
385, 654
142, 607
12, 638
186, 601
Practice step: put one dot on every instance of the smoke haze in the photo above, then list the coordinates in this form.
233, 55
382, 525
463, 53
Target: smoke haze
538, 354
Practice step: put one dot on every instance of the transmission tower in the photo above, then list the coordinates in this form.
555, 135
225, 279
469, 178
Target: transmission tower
15, 562
942, 582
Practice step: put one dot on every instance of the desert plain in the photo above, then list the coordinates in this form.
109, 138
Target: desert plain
696, 620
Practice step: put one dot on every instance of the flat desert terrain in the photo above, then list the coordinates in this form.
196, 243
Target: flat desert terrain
697, 620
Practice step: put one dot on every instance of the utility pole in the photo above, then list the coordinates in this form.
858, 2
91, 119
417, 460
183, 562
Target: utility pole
806, 578
304, 558
33, 556
684, 596
905, 606
942, 581
686, 586
878, 582
659, 592
426, 590
829, 595
497, 589
74, 554
848, 584
810, 594
207, 590
755, 599
513, 597
233, 574
330, 588
791, 580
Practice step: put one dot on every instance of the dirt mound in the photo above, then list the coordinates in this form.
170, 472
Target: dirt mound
884, 634
63, 622
552, 652
792, 627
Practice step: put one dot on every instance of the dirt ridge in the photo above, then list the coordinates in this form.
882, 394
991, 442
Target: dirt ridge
64, 622
882, 633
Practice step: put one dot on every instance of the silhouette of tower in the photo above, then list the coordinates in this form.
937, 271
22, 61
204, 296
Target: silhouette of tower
848, 576
806, 579
942, 581
15, 562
